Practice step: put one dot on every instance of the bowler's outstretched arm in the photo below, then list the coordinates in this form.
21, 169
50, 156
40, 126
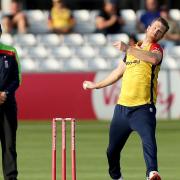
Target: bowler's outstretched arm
113, 77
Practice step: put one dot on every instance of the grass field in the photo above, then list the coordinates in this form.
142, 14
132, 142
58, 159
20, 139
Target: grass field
34, 151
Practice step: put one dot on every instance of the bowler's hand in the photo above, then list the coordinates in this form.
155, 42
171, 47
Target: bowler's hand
89, 85
3, 97
121, 46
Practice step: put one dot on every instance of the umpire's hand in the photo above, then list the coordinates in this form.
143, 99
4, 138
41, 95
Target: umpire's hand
3, 97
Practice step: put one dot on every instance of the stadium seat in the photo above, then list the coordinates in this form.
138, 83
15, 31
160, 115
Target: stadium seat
140, 36
139, 12
128, 14
175, 14
22, 52
85, 52
114, 62
84, 22
130, 21
97, 64
81, 15
29, 65
38, 52
7, 38
75, 64
1, 14
118, 37
109, 52
95, 39
62, 52
170, 62
178, 63
25, 39
175, 52
49, 39
93, 14
51, 64
37, 20
166, 45
84, 27
73, 40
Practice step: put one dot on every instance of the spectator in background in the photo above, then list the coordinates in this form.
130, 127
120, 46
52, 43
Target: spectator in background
109, 20
152, 12
60, 18
174, 30
15, 20
132, 40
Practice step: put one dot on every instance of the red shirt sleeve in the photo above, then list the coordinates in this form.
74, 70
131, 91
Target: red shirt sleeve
156, 47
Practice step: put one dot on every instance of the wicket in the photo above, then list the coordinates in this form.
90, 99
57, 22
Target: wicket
63, 148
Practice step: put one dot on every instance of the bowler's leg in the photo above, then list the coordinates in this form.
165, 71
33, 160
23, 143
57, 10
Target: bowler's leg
145, 125
118, 134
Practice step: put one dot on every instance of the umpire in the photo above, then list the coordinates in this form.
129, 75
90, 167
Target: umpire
10, 79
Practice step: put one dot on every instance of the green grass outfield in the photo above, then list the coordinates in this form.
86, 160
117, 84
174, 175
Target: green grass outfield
34, 151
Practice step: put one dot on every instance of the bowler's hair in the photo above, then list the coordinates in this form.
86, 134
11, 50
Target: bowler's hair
162, 21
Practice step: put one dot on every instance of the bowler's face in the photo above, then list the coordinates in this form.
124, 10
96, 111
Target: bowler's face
156, 31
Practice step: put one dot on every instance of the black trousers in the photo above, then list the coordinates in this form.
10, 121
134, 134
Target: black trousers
8, 127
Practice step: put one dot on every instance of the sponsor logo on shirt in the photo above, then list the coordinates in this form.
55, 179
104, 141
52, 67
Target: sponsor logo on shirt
132, 62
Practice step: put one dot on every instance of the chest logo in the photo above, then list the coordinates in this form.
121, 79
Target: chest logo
132, 62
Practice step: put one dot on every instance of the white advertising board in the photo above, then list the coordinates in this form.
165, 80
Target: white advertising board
168, 100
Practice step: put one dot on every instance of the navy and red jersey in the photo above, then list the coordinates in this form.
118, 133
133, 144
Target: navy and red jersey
10, 72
